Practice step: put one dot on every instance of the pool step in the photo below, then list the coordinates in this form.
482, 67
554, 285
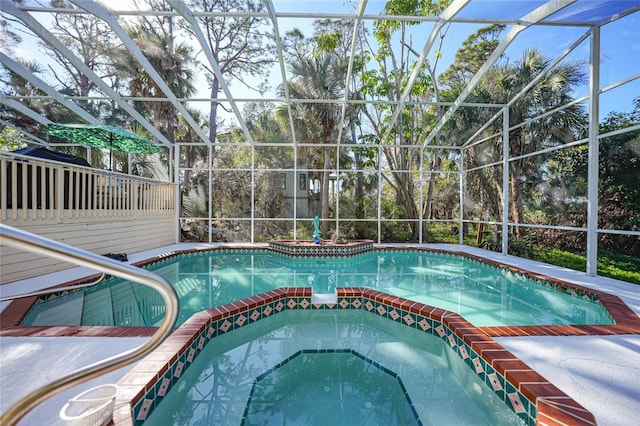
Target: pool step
324, 298
62, 311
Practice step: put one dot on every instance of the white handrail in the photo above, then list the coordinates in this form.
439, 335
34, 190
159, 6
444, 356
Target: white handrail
36, 244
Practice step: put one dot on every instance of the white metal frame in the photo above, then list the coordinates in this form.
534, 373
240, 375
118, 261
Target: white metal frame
538, 16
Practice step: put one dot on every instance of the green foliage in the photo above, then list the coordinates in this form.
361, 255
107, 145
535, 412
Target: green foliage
558, 257
327, 42
491, 240
472, 54
620, 172
565, 177
11, 139
524, 246
441, 232
610, 264
620, 266
384, 28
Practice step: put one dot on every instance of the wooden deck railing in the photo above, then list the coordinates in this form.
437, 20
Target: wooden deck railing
32, 188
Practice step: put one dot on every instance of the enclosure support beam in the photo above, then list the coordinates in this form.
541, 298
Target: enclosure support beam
210, 192
537, 15
593, 158
190, 18
103, 14
23, 109
30, 76
380, 183
32, 138
45, 35
354, 40
445, 17
532, 83
253, 195
177, 202
285, 87
461, 197
421, 199
505, 180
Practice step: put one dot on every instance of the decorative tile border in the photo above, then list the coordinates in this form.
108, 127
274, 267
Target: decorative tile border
534, 399
308, 248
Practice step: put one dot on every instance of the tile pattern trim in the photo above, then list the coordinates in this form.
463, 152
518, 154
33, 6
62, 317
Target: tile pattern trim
534, 399
308, 248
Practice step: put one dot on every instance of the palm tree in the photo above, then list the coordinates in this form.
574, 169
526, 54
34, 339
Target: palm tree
171, 60
500, 86
190, 154
316, 77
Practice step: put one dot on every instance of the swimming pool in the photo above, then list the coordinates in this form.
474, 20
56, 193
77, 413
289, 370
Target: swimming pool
329, 367
485, 294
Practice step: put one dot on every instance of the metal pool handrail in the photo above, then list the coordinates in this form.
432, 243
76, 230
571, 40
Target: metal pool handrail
36, 244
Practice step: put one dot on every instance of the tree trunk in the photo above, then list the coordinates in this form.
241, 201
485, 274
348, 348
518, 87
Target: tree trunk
325, 193
405, 198
213, 112
515, 199
171, 128
515, 171
186, 174
359, 200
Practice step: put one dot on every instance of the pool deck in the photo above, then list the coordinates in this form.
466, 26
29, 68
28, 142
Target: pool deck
600, 372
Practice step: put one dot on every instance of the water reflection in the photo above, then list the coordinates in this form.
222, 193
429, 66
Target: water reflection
484, 295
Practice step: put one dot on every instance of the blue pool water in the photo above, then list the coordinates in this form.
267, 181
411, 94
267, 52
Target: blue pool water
233, 380
304, 386
485, 295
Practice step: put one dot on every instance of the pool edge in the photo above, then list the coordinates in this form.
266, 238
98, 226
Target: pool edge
626, 321
525, 392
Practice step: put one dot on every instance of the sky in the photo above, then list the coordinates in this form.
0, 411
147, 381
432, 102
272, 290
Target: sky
620, 43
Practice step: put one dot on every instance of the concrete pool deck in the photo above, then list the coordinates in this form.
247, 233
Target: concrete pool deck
600, 372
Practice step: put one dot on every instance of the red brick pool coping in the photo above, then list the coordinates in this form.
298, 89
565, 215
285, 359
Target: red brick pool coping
553, 407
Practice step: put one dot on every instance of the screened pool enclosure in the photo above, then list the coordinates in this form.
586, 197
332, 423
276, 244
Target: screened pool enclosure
511, 125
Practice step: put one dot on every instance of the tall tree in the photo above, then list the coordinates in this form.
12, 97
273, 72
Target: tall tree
242, 46
171, 59
317, 77
484, 186
396, 58
552, 91
500, 85
620, 174
335, 37
90, 39
190, 154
